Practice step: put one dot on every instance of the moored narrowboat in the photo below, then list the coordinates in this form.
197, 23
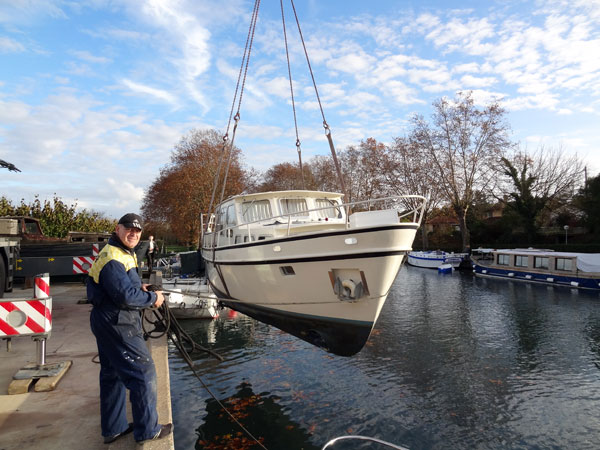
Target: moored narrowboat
575, 270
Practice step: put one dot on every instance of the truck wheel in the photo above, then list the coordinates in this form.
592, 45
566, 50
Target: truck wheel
2, 276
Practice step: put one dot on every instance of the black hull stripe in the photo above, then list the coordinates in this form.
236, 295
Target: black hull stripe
309, 259
314, 236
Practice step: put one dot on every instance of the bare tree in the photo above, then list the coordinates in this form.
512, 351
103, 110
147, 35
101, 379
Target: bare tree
464, 145
406, 170
362, 176
540, 182
323, 173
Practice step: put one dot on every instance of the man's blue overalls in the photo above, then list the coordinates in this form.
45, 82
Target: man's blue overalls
114, 288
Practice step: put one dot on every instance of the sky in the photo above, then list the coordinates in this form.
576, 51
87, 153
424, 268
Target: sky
95, 94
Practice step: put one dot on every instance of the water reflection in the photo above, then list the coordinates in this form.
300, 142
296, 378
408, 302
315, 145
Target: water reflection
257, 413
454, 362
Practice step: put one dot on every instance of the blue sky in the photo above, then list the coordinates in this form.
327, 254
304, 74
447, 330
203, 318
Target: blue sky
95, 94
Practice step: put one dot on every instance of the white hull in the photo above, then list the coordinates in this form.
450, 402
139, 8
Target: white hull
188, 307
193, 299
433, 260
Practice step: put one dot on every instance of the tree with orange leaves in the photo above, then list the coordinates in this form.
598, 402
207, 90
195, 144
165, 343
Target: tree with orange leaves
183, 189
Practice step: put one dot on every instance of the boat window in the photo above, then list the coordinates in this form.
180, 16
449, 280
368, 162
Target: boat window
521, 261
287, 270
330, 213
256, 210
564, 264
231, 216
540, 262
503, 260
220, 219
294, 206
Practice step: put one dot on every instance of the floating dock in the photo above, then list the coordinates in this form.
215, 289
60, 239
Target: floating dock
62, 411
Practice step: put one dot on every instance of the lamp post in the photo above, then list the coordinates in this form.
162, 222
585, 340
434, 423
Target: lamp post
566, 227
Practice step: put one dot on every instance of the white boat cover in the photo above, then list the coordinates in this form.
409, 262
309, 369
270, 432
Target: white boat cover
588, 262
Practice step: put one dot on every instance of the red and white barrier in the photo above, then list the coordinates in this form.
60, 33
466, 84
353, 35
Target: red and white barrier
82, 264
41, 286
28, 317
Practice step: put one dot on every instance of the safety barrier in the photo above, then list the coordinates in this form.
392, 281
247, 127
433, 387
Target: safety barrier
82, 264
32, 317
28, 317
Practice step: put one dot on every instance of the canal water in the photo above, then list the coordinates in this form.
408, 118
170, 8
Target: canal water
454, 362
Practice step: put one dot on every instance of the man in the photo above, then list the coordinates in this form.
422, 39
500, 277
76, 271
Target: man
118, 296
150, 253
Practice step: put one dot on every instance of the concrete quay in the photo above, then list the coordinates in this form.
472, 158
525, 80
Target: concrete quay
67, 417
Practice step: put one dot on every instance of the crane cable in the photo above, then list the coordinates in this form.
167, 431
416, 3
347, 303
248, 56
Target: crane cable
325, 125
226, 145
287, 55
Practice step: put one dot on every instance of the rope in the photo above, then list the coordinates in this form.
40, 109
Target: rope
166, 323
287, 55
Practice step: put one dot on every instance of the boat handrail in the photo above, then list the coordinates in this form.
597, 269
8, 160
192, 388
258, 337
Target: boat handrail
416, 212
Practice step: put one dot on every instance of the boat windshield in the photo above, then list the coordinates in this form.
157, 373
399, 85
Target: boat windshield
256, 210
294, 206
329, 213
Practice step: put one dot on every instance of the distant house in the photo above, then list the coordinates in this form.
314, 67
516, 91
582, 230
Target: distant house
443, 224
495, 211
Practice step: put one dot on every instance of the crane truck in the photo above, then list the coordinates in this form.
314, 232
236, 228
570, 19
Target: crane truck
9, 246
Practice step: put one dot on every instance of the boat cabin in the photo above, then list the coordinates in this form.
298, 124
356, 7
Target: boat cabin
255, 217
536, 260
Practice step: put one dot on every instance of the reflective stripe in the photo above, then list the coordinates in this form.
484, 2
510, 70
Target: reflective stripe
110, 253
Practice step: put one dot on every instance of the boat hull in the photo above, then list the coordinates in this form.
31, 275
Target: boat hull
551, 279
193, 308
291, 282
191, 298
433, 260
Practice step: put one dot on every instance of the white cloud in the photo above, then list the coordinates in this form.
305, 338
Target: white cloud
468, 36
8, 45
126, 195
159, 94
88, 57
354, 63
470, 81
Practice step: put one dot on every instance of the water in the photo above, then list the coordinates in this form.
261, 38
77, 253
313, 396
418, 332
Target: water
454, 362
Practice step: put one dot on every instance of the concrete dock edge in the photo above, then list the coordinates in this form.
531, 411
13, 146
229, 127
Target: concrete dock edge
68, 417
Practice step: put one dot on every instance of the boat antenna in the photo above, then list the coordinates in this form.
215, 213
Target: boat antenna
287, 55
325, 125
227, 148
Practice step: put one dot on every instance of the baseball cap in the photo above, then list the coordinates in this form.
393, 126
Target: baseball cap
131, 220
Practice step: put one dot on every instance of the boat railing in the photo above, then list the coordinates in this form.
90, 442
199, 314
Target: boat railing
413, 207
